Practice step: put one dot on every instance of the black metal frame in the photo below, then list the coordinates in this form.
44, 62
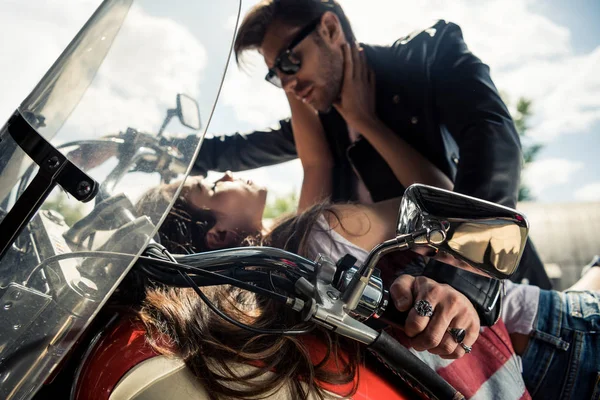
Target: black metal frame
54, 168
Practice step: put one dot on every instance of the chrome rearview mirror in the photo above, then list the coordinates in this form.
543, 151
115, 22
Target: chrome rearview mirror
456, 229
486, 236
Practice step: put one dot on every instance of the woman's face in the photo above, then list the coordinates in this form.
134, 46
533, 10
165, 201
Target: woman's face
239, 204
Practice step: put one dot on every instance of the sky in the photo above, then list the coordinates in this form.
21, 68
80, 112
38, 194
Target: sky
545, 50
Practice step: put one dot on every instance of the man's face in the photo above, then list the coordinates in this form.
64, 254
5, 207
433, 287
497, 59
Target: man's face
319, 79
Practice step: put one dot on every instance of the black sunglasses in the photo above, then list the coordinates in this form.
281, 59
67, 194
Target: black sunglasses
284, 61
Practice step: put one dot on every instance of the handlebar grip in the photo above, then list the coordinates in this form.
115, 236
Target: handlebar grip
393, 317
412, 370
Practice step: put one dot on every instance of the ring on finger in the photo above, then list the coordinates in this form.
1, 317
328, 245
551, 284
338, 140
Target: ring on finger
457, 334
424, 308
466, 348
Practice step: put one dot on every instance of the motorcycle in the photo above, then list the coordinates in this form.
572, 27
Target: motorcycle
58, 275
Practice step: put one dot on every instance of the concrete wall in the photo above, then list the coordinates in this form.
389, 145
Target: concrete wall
566, 235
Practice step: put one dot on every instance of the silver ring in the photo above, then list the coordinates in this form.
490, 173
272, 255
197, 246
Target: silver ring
457, 334
466, 348
424, 308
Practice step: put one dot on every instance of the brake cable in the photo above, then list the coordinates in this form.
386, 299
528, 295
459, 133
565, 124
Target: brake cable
284, 332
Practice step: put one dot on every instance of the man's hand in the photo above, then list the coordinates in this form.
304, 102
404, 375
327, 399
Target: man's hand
451, 309
357, 100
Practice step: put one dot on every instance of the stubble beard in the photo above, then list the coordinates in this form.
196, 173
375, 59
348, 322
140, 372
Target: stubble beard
331, 69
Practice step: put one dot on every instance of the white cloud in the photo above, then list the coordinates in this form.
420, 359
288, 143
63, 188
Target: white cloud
530, 56
151, 61
590, 192
154, 57
544, 174
254, 100
565, 94
32, 35
231, 22
484, 24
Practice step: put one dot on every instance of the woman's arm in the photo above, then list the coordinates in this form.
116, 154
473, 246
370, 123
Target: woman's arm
409, 166
313, 152
366, 225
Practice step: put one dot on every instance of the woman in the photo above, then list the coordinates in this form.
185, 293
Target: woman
340, 229
323, 360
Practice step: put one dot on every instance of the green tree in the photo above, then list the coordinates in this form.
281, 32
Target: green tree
65, 206
282, 205
530, 149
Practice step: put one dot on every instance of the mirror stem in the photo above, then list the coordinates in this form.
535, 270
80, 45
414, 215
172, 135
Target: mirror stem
170, 114
360, 281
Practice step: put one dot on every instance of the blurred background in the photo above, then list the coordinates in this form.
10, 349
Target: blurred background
544, 56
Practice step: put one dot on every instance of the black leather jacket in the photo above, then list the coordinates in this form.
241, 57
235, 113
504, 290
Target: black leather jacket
436, 95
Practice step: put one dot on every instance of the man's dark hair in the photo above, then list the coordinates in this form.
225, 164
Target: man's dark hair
295, 13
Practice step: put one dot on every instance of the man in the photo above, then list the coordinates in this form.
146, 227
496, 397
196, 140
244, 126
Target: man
431, 91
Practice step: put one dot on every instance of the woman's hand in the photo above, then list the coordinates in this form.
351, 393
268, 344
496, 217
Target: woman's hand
451, 309
357, 99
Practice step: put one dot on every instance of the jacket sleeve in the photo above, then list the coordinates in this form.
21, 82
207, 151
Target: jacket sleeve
470, 107
239, 151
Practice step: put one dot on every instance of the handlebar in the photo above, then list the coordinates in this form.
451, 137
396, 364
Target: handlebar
135, 151
317, 297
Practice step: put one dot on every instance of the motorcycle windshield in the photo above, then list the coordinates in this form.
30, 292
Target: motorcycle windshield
138, 73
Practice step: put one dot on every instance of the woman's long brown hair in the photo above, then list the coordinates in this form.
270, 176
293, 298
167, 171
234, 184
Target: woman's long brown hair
179, 323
